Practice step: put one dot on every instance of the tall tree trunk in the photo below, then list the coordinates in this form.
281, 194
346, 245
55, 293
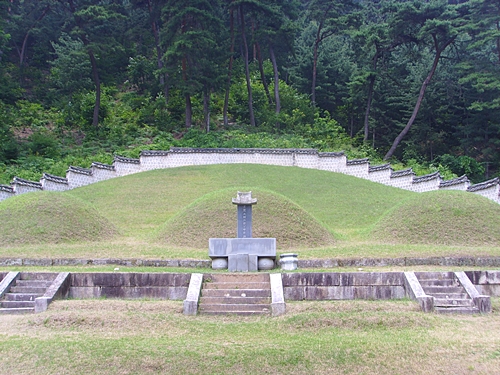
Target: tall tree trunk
371, 84
22, 52
159, 52
97, 83
439, 50
93, 64
262, 75
230, 68
189, 111
276, 80
247, 68
206, 109
314, 72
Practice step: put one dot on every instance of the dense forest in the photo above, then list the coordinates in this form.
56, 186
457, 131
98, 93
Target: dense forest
412, 82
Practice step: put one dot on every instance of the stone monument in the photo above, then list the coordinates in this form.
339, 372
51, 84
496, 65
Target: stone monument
243, 253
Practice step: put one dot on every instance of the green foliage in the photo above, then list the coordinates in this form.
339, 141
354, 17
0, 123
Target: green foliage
8, 145
71, 71
463, 164
42, 143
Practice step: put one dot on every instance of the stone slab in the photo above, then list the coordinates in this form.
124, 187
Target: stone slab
263, 247
238, 263
193, 294
321, 293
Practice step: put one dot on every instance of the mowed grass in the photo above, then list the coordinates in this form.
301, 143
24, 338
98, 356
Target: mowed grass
171, 213
339, 337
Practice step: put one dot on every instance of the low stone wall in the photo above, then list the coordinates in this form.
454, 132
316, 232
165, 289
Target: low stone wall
129, 285
343, 286
302, 158
486, 282
314, 286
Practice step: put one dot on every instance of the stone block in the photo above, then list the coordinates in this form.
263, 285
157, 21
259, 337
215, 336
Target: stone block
305, 279
253, 263
371, 278
218, 247
193, 294
238, 263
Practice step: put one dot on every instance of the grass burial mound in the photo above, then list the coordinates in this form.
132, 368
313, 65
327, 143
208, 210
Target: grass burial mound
441, 218
49, 217
214, 216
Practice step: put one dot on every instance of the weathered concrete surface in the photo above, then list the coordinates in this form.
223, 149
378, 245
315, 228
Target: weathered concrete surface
415, 291
278, 306
482, 302
129, 285
486, 282
57, 290
193, 294
302, 263
7, 281
339, 286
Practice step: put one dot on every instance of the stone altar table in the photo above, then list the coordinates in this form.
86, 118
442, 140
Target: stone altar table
244, 253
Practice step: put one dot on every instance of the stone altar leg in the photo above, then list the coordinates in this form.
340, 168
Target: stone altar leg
238, 263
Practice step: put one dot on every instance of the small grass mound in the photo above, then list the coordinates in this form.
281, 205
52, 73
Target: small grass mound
49, 217
214, 216
441, 218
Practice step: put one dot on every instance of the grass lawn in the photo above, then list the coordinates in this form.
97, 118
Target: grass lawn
153, 337
170, 214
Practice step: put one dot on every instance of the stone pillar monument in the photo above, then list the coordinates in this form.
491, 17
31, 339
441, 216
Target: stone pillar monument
243, 253
244, 201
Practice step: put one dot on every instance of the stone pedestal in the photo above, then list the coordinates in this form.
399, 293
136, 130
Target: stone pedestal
244, 253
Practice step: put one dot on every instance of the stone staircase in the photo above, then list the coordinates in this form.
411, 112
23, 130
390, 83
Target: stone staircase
449, 295
20, 297
236, 294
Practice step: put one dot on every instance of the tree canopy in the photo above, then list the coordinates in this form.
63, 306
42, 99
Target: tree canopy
412, 81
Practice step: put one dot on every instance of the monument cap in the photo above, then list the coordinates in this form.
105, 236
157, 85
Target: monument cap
244, 198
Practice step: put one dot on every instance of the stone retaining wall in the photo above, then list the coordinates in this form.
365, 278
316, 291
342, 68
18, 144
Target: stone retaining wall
129, 285
343, 286
302, 158
486, 282
296, 286
485, 262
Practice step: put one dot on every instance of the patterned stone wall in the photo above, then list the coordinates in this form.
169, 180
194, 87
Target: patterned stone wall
77, 177
125, 166
54, 183
302, 158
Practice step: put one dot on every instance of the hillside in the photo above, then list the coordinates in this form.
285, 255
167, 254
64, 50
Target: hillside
441, 218
49, 217
171, 213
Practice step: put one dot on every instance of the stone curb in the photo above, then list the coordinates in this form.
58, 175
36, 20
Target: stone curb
311, 263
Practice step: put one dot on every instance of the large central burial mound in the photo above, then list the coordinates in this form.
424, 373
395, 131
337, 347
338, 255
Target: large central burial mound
441, 218
214, 216
50, 217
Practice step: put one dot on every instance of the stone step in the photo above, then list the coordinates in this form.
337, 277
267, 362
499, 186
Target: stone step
262, 293
456, 310
28, 289
430, 290
450, 295
439, 302
233, 308
239, 313
40, 276
34, 283
442, 282
21, 296
235, 300
20, 310
236, 277
237, 285
434, 275
14, 304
